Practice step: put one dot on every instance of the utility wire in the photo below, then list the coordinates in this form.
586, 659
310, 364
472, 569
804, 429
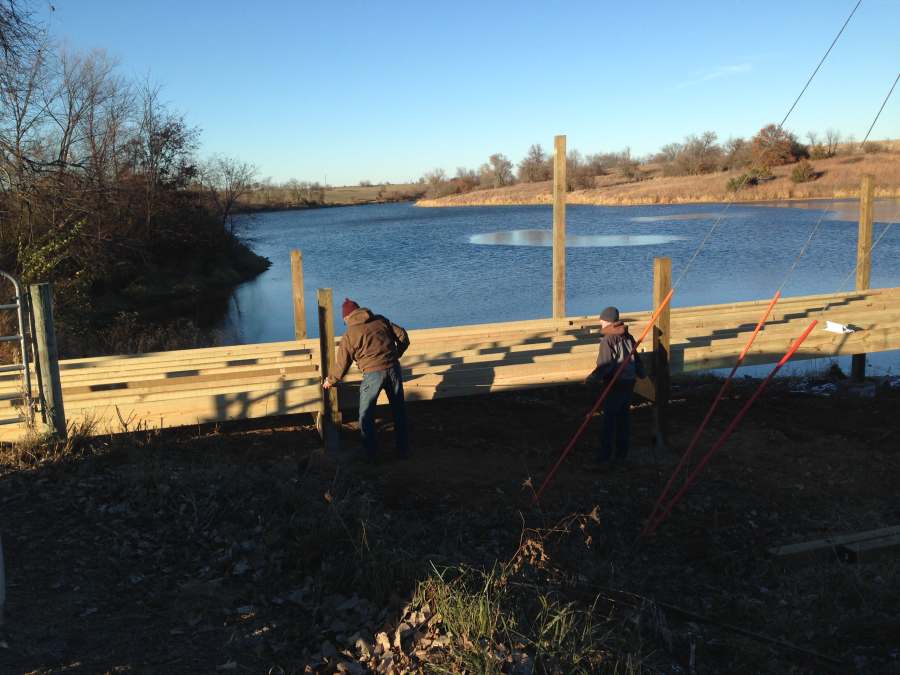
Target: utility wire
827, 52
809, 239
718, 220
878, 114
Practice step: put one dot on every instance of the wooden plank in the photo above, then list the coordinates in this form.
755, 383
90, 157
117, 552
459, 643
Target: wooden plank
297, 294
827, 547
147, 387
559, 227
870, 549
263, 349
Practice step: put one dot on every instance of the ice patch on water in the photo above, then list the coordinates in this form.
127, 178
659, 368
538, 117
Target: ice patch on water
545, 238
706, 215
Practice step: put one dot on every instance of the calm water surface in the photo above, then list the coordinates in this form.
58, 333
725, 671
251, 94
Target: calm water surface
441, 267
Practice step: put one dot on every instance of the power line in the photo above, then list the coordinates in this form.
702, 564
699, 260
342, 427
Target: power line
718, 220
827, 52
878, 114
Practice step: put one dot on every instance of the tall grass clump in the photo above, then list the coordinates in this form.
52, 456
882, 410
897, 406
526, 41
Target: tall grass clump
497, 624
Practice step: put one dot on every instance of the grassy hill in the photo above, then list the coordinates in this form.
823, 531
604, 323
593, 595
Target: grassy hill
837, 177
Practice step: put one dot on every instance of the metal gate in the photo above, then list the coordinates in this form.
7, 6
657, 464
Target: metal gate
22, 367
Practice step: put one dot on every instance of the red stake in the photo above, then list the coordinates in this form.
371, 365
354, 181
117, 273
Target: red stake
731, 427
709, 414
587, 418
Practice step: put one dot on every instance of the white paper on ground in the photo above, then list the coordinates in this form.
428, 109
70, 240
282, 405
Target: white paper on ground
834, 327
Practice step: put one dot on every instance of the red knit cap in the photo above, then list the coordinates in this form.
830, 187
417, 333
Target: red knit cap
348, 307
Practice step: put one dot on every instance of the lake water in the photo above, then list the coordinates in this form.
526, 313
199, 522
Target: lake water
441, 267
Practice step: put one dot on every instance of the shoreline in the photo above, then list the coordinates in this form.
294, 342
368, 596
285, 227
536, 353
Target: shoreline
541, 200
277, 208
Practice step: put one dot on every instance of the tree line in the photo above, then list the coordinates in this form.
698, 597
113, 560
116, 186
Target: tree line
695, 155
102, 193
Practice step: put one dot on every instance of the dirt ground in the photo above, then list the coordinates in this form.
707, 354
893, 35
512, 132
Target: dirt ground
245, 549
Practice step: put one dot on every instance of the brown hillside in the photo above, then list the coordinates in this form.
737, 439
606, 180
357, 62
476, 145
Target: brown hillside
839, 177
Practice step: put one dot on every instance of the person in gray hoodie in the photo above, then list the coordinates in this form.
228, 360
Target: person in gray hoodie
616, 344
376, 345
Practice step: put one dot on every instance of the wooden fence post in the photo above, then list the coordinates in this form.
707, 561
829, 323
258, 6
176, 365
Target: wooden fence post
330, 414
297, 292
863, 259
662, 283
51, 397
559, 228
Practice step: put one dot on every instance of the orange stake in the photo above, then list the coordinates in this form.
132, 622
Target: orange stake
722, 390
587, 418
731, 427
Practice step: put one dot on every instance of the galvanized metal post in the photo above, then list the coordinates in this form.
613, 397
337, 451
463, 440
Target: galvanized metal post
48, 359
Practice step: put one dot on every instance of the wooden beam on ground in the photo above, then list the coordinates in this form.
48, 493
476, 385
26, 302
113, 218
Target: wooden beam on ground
863, 258
330, 413
51, 395
870, 549
559, 227
828, 548
297, 293
662, 283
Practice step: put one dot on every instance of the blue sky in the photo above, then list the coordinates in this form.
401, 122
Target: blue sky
389, 90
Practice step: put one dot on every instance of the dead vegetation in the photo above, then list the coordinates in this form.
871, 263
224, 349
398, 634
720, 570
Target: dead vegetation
837, 177
246, 550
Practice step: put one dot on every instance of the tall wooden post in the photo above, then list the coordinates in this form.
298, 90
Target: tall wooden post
863, 258
52, 408
297, 293
559, 228
662, 283
330, 413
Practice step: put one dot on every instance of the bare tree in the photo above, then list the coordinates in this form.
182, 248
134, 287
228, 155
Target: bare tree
535, 166
737, 154
497, 172
227, 180
832, 141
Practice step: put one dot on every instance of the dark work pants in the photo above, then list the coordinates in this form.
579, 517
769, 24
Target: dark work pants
372, 383
615, 423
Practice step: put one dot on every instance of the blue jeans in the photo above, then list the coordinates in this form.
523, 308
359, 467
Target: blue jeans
615, 421
372, 383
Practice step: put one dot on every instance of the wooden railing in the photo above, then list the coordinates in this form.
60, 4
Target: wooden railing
198, 386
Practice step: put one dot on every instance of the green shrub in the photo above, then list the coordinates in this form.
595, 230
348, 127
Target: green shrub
742, 181
803, 172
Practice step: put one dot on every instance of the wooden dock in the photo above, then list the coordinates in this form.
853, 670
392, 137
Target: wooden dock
200, 386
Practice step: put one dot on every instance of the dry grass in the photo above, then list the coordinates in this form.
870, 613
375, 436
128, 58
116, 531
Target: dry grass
839, 178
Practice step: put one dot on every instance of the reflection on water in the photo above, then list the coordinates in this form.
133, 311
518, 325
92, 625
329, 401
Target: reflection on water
545, 238
884, 210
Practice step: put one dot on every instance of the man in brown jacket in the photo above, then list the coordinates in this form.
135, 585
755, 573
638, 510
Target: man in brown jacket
376, 345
